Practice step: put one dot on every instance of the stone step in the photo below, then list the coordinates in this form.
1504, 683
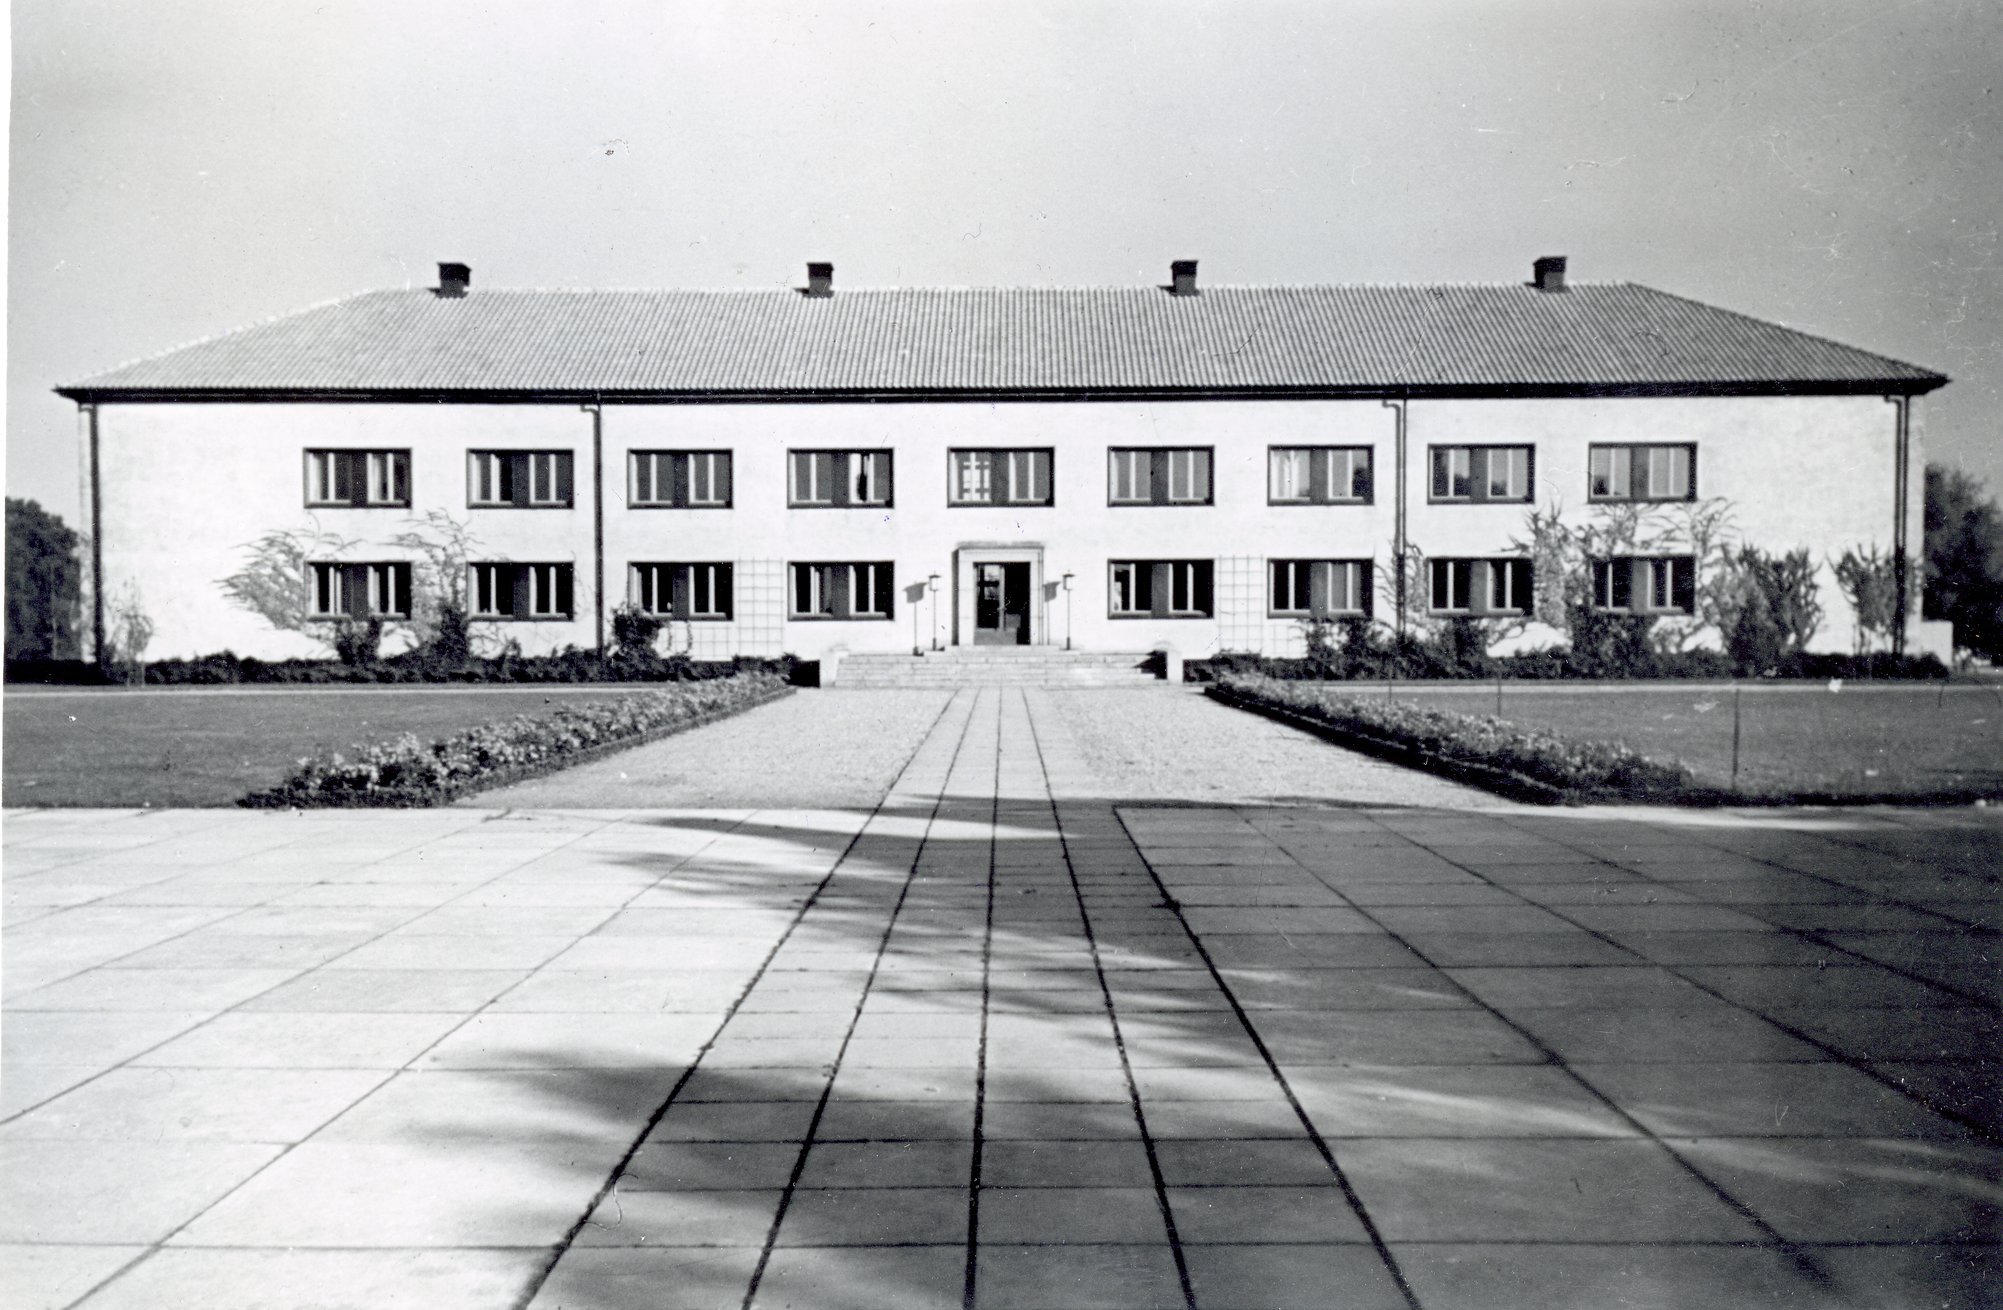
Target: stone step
1034, 667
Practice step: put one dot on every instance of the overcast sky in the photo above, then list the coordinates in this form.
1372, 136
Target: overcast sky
183, 168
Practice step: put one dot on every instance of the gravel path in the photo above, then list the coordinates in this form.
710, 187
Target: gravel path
842, 749
1176, 744
812, 750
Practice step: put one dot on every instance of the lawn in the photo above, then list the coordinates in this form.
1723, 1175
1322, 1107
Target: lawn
1794, 739
206, 746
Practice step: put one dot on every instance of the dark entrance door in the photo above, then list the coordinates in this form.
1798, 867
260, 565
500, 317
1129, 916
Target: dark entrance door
1001, 604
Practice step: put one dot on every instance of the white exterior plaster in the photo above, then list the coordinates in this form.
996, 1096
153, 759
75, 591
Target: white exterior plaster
186, 486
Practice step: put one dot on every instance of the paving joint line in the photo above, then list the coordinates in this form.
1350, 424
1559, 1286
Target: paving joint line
967, 1295
1340, 1176
883, 945
1112, 1015
1772, 1237
1988, 1132
660, 1112
153, 1248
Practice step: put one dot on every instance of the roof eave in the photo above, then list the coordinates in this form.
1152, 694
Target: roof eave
88, 393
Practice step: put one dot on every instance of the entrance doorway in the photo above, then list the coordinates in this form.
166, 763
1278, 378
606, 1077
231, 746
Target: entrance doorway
1001, 604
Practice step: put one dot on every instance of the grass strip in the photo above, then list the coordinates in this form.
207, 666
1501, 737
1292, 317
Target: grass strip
1522, 763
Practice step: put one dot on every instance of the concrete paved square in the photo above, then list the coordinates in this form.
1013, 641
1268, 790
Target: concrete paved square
1025, 1029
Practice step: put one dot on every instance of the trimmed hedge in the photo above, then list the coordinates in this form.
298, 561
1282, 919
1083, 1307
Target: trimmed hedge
1534, 765
404, 771
569, 666
1422, 663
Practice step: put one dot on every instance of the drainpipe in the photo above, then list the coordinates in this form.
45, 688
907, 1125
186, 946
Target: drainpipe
89, 409
598, 519
1397, 407
1901, 483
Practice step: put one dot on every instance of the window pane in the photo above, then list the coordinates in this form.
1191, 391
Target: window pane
1286, 474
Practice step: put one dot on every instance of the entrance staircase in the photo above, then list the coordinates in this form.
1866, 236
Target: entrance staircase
999, 666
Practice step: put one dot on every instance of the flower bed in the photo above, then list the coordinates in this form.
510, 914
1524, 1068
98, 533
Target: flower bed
405, 771
1473, 748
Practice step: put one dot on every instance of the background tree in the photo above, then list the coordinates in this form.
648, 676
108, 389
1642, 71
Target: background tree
1964, 560
44, 584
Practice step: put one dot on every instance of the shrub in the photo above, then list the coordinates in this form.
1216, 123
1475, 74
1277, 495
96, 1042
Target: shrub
405, 771
426, 666
1476, 739
1775, 609
1870, 582
357, 641
634, 631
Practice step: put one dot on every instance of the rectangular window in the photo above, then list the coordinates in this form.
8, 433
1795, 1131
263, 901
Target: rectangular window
1179, 476
1663, 584
699, 592
1655, 472
522, 591
520, 479
364, 478
844, 591
678, 479
1318, 475
1318, 588
1479, 586
1160, 588
830, 478
1481, 474
361, 591
998, 477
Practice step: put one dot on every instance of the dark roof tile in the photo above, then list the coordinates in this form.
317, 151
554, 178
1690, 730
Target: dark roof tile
948, 340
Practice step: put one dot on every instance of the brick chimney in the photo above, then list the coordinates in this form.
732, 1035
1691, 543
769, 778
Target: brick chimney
454, 280
1182, 278
820, 281
1548, 274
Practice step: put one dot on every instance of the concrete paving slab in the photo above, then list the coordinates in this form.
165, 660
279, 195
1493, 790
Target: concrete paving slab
1585, 1057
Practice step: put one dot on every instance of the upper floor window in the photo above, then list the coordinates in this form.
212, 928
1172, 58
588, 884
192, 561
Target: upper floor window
697, 592
378, 478
525, 479
843, 591
678, 479
522, 591
1642, 472
998, 477
1318, 588
838, 477
1481, 473
360, 591
1318, 475
1662, 584
1160, 588
1480, 586
1158, 476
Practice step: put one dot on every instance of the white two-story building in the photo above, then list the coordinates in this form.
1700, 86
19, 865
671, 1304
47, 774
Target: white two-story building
1109, 469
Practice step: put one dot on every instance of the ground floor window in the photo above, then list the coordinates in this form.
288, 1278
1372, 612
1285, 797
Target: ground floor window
1318, 588
522, 591
1161, 588
843, 591
361, 591
694, 591
1661, 584
1479, 586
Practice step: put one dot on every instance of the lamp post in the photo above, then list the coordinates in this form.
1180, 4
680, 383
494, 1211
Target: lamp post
932, 588
1067, 611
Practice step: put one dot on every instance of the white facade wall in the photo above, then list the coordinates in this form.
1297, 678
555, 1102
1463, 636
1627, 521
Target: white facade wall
186, 486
